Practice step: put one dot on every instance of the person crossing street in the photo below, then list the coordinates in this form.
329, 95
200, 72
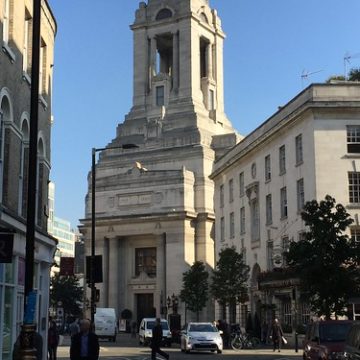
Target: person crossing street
157, 336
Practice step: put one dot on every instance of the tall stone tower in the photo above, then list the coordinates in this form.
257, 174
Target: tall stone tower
154, 203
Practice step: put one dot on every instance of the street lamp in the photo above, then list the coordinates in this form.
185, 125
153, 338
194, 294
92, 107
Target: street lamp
93, 220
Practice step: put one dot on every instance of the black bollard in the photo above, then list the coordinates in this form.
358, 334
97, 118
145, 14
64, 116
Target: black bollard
296, 342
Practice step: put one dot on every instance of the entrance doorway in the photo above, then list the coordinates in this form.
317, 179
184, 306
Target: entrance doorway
145, 306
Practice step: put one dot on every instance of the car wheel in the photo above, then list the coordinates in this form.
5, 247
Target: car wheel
219, 351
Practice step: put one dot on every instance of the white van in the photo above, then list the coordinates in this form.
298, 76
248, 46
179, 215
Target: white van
105, 323
145, 331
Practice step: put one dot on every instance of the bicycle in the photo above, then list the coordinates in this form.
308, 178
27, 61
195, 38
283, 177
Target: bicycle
244, 341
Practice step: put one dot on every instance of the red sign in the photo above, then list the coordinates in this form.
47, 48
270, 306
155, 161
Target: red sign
67, 266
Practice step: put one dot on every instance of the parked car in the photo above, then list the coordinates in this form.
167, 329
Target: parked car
145, 331
352, 343
325, 340
201, 337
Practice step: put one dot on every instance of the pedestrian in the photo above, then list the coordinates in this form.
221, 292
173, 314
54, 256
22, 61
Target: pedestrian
157, 336
74, 328
85, 344
276, 335
53, 340
38, 346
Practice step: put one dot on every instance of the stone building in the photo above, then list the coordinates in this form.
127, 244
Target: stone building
309, 148
154, 202
15, 79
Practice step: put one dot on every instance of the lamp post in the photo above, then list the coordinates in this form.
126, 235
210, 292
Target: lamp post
93, 220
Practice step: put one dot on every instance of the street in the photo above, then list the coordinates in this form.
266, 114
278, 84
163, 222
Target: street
127, 348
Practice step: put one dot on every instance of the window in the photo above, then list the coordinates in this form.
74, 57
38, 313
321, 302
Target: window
222, 229
43, 67
232, 226
267, 168
269, 254
255, 220
164, 14
355, 234
287, 319
300, 194
204, 48
6, 21
298, 149
231, 190
27, 43
145, 261
243, 250
353, 139
241, 184
268, 209
354, 187
222, 196
282, 160
283, 203
160, 96
211, 100
242, 220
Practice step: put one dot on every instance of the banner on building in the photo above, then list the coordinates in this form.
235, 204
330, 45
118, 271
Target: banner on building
66, 266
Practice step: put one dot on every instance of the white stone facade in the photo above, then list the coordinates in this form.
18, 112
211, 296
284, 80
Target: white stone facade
319, 130
154, 203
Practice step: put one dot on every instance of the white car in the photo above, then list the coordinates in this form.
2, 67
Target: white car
201, 337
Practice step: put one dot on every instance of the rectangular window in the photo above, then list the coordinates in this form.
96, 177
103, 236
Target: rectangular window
145, 261
27, 43
160, 96
242, 220
211, 100
355, 234
221, 196
287, 313
222, 229
269, 254
255, 220
43, 67
283, 203
231, 190
243, 250
298, 149
268, 209
300, 194
241, 184
232, 226
6, 21
267, 168
353, 139
354, 187
282, 160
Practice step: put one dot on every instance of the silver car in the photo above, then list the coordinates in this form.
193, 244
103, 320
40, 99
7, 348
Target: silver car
201, 337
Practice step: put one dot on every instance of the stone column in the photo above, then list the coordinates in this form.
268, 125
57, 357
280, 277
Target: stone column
209, 60
113, 271
175, 70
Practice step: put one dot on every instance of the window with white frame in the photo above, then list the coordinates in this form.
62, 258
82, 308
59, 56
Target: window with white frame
268, 209
355, 233
283, 203
300, 194
282, 160
232, 226
241, 184
267, 168
353, 139
298, 149
222, 195
242, 220
231, 190
354, 187
222, 229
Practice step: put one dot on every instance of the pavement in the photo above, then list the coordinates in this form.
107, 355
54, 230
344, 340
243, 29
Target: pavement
127, 348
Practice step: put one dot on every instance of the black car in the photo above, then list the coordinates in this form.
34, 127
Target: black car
352, 344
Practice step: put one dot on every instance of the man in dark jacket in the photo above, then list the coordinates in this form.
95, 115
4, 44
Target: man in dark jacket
276, 334
157, 336
85, 344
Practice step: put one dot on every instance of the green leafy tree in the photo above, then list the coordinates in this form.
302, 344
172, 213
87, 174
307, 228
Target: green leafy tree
67, 290
354, 74
335, 78
230, 276
195, 288
327, 260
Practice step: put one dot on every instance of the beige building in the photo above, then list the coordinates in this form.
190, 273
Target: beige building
306, 150
15, 79
154, 203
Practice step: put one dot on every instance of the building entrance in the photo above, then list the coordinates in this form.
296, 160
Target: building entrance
145, 306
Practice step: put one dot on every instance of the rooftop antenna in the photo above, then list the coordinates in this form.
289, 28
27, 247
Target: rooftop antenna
347, 58
305, 74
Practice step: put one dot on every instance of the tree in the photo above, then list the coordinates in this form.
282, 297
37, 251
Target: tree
230, 276
195, 288
354, 74
67, 290
326, 260
335, 78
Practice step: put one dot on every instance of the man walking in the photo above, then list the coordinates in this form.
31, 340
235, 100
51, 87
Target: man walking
157, 336
85, 344
276, 334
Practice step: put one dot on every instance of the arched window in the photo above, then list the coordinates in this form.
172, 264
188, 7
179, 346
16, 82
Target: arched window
164, 14
24, 167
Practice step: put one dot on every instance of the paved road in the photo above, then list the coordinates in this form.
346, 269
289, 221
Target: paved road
127, 348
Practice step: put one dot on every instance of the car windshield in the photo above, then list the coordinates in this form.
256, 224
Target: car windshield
151, 324
334, 332
202, 328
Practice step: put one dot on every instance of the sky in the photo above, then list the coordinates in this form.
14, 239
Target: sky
269, 45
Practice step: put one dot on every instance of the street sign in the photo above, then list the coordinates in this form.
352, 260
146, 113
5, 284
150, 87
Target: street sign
67, 266
6, 247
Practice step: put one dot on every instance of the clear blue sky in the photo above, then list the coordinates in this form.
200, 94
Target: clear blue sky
269, 44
